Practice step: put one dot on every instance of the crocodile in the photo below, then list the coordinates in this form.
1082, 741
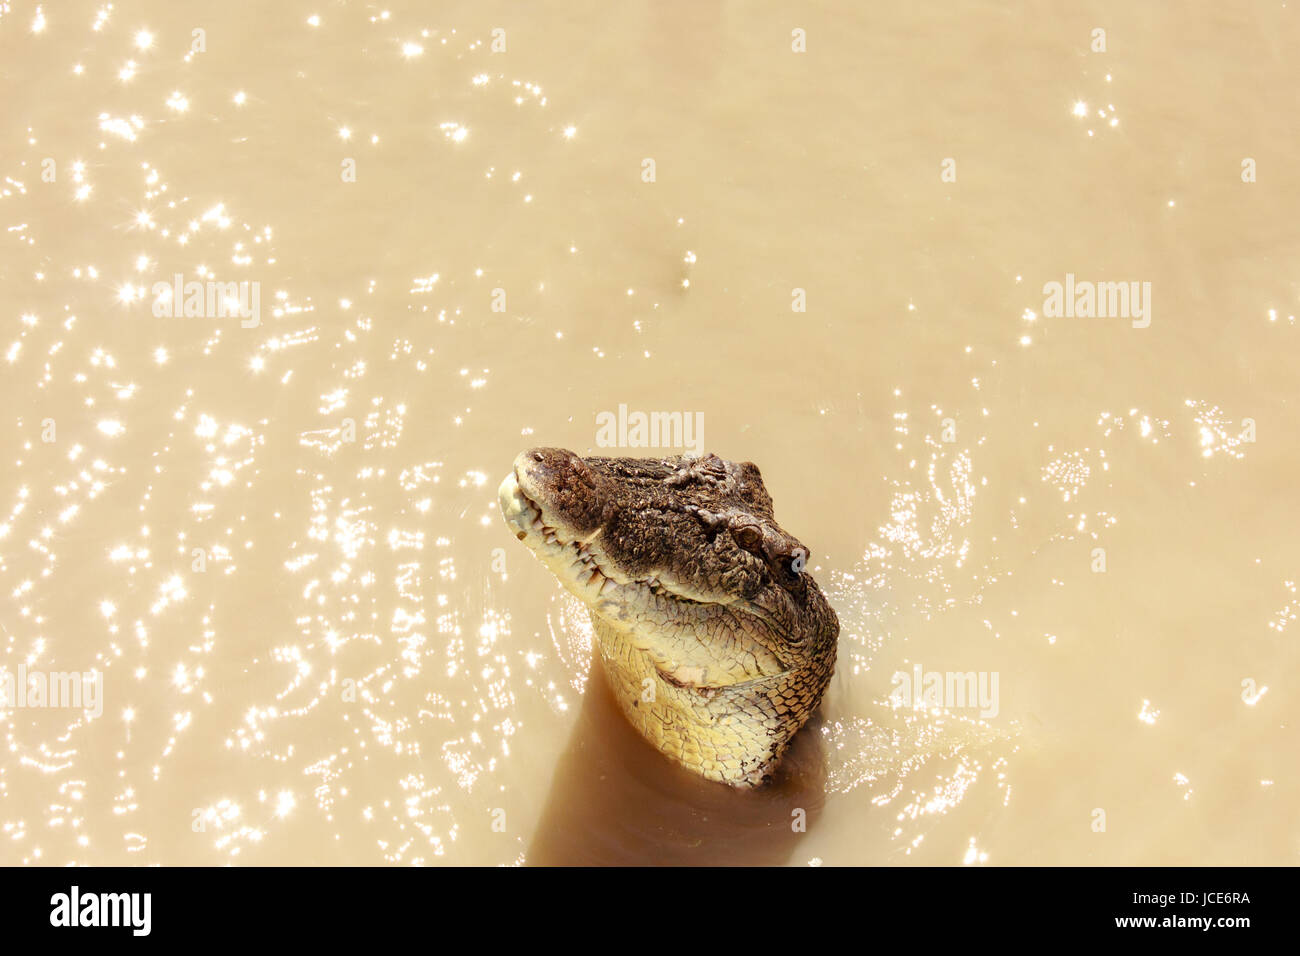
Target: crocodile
717, 642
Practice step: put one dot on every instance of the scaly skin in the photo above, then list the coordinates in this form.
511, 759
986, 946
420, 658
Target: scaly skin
717, 642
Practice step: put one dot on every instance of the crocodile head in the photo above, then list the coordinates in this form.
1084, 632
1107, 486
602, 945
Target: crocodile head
716, 640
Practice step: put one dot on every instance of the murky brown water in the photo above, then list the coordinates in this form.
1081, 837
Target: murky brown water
277, 538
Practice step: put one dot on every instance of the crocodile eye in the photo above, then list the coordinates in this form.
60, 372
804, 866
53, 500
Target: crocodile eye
749, 539
797, 561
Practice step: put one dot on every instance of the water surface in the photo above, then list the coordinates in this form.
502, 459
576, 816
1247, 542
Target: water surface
278, 540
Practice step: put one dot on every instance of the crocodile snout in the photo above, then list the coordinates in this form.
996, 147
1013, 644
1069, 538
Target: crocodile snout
569, 493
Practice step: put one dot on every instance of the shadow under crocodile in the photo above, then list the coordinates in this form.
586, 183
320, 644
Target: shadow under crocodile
616, 800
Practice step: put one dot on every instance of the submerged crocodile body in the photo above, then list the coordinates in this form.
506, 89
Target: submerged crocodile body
717, 642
